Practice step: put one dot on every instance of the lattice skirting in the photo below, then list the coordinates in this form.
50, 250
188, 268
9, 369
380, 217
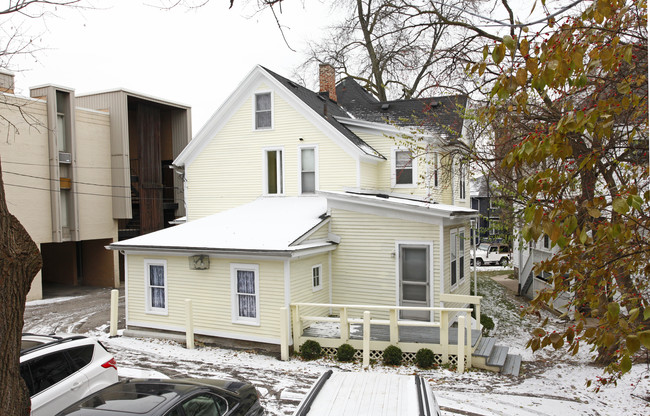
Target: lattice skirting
408, 358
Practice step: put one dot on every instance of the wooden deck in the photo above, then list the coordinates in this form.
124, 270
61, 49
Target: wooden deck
406, 334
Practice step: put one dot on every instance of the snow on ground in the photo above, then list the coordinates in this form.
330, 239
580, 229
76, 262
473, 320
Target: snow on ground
551, 382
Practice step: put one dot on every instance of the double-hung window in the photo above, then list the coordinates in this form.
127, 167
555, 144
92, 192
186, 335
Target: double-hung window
273, 162
307, 170
245, 294
436, 170
461, 255
316, 277
403, 168
156, 286
457, 256
461, 181
263, 111
453, 254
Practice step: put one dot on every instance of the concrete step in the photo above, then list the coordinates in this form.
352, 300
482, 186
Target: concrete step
485, 347
498, 356
512, 365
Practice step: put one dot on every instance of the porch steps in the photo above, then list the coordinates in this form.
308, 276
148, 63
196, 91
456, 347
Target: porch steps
492, 357
512, 365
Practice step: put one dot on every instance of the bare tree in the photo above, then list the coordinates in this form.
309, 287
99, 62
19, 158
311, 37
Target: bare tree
20, 259
395, 49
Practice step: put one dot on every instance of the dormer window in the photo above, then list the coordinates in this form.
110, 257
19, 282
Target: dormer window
404, 171
263, 111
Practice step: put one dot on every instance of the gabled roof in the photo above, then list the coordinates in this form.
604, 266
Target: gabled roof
443, 114
326, 108
319, 110
267, 226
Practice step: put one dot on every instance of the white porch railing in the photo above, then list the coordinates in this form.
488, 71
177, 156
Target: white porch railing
462, 348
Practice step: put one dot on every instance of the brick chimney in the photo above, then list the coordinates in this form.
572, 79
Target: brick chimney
327, 78
6, 81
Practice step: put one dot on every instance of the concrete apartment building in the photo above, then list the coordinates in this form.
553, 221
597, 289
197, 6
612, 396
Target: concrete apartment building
81, 172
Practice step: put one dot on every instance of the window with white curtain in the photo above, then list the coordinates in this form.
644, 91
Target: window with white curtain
263, 111
245, 294
156, 286
307, 170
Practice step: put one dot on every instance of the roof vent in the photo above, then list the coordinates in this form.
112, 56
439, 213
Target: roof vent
385, 106
293, 84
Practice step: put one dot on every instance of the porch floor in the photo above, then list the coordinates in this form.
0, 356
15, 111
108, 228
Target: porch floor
379, 332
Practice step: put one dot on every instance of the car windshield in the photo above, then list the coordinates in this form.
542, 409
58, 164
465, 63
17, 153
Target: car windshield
483, 246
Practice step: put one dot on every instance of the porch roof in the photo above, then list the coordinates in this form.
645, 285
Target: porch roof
268, 224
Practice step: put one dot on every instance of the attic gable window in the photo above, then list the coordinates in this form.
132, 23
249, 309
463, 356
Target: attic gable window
263, 111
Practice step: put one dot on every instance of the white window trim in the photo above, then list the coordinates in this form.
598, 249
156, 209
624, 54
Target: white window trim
462, 182
265, 175
393, 167
236, 319
320, 278
254, 105
148, 308
453, 234
300, 149
435, 177
452, 243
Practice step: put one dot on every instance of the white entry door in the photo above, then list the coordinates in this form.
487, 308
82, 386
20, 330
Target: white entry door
414, 284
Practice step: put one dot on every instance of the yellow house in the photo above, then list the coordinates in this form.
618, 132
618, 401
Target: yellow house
294, 200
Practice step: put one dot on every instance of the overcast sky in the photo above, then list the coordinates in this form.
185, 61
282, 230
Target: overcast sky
194, 57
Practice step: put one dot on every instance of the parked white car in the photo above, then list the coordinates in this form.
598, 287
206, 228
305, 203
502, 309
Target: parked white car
369, 394
59, 370
492, 253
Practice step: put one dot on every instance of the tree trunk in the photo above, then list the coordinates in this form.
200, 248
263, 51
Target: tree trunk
20, 260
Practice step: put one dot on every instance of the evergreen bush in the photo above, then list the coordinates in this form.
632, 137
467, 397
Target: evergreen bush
345, 353
425, 358
487, 323
310, 350
392, 355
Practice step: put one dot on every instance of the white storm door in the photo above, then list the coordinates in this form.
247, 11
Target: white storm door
414, 284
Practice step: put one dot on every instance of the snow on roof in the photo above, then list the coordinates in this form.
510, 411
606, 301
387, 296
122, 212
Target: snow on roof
266, 224
399, 202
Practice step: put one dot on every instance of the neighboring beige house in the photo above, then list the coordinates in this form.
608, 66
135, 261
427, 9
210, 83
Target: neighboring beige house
293, 197
65, 166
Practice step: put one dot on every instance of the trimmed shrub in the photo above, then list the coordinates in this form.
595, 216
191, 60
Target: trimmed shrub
345, 352
425, 358
392, 355
487, 323
310, 350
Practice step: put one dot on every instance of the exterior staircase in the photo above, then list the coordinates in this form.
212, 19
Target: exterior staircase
492, 357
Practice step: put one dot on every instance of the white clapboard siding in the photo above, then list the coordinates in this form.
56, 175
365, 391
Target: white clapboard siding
229, 170
210, 291
364, 264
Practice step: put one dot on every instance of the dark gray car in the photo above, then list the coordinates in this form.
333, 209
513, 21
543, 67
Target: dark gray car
180, 397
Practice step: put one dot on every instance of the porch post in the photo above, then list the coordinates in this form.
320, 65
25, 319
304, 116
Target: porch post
394, 329
444, 335
460, 367
468, 350
344, 326
366, 339
284, 333
297, 330
189, 325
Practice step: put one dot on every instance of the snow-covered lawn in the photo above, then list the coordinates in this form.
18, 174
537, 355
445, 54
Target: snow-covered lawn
551, 382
